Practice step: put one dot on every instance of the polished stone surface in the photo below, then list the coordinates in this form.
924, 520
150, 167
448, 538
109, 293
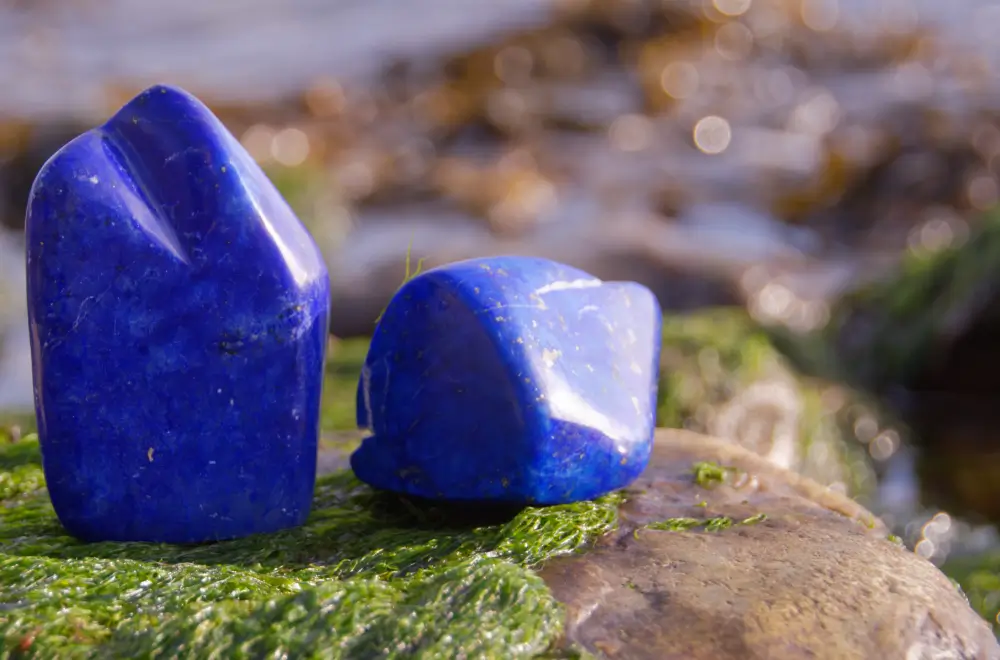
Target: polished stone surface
178, 314
510, 379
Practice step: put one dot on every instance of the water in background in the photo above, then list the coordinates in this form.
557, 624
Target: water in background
57, 57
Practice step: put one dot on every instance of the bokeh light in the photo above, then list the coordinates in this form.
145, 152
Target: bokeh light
712, 134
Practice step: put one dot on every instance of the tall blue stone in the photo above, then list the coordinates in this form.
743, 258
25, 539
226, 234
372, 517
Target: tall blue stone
510, 379
178, 313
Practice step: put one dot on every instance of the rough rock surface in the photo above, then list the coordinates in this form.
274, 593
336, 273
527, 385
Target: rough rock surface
817, 577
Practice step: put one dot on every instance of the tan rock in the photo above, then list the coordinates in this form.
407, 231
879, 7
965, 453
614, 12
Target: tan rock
817, 578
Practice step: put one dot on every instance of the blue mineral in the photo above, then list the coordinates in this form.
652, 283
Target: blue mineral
178, 314
510, 379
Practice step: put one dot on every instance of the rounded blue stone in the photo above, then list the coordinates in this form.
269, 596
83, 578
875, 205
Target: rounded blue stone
510, 379
178, 313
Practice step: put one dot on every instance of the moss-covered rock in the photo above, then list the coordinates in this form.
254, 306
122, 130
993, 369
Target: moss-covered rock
369, 575
375, 575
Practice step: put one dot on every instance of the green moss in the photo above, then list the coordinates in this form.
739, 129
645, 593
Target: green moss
710, 524
676, 524
369, 574
21, 473
708, 474
718, 523
713, 524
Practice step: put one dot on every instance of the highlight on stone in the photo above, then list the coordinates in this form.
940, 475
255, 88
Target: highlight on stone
510, 379
178, 313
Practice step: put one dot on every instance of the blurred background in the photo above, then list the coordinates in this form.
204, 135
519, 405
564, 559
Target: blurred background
821, 171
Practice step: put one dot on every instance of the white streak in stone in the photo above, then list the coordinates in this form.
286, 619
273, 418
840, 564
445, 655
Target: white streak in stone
563, 285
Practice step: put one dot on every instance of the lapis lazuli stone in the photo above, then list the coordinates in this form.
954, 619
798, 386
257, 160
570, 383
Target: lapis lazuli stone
510, 379
179, 314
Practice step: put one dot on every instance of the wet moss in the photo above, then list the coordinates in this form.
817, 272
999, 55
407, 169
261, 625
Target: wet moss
708, 474
370, 574
710, 524
20, 469
676, 524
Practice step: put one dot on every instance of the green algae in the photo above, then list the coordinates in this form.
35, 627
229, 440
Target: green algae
369, 575
708, 474
20, 468
675, 524
709, 524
